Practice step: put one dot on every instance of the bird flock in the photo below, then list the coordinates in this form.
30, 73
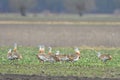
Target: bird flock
54, 57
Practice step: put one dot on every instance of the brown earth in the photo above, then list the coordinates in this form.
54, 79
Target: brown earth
59, 35
36, 77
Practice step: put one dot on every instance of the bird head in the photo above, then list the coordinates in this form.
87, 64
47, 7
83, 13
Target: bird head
50, 48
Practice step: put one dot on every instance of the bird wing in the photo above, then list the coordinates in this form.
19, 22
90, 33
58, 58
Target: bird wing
10, 57
46, 57
63, 57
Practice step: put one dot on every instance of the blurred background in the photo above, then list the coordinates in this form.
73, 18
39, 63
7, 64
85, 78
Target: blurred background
60, 22
60, 6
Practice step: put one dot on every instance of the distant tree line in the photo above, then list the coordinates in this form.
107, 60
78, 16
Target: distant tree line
59, 6
80, 6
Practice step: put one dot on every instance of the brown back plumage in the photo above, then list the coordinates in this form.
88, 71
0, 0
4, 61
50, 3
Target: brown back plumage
104, 57
75, 56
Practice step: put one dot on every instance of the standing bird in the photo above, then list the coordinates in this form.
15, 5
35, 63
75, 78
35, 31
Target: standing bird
16, 54
13, 55
41, 54
104, 57
75, 56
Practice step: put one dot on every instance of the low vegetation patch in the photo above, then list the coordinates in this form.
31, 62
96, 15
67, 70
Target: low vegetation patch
88, 66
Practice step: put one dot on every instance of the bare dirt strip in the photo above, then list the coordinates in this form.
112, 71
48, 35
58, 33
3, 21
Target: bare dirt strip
36, 77
114, 23
59, 35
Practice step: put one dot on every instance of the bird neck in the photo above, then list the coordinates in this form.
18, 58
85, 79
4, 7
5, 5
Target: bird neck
15, 50
50, 52
99, 54
9, 51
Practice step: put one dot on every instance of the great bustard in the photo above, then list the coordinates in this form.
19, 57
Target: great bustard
14, 54
104, 57
75, 56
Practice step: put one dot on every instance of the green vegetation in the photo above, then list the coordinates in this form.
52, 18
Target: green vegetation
59, 17
88, 65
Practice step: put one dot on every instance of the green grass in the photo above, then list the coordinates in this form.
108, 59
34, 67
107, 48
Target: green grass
59, 17
88, 65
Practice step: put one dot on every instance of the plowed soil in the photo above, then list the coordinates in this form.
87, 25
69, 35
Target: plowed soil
59, 35
36, 77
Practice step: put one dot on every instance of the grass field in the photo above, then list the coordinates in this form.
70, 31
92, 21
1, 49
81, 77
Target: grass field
60, 17
88, 65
